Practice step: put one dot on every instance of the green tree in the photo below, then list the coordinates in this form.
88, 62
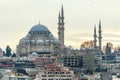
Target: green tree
4, 53
14, 55
8, 51
89, 60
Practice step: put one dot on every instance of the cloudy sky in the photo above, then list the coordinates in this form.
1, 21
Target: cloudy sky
18, 16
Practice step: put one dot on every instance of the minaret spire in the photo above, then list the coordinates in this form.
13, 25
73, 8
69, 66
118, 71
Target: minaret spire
95, 37
61, 27
100, 35
62, 12
62, 16
59, 18
59, 24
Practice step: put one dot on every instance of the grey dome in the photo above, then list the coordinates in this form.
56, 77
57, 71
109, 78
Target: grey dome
23, 40
40, 41
33, 41
34, 54
56, 41
39, 27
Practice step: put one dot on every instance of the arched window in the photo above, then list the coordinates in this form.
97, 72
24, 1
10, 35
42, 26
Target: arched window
23, 51
56, 50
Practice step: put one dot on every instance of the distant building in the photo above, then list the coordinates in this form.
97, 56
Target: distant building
5, 64
106, 76
40, 40
1, 53
73, 61
42, 61
57, 71
24, 64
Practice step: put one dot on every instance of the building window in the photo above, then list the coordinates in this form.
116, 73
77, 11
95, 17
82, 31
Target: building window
50, 76
67, 72
43, 75
61, 72
49, 72
69, 76
50, 79
63, 76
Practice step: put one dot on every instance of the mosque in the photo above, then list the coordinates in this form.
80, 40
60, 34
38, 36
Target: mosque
41, 41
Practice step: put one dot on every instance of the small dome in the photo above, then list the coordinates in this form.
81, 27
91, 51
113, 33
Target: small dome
34, 54
51, 41
23, 40
23, 58
39, 27
40, 41
8, 70
32, 41
47, 40
57, 41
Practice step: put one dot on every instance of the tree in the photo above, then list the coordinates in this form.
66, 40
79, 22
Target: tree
1, 75
4, 53
22, 71
8, 51
89, 60
14, 55
87, 44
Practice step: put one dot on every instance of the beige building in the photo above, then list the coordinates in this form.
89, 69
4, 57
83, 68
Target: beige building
57, 71
40, 40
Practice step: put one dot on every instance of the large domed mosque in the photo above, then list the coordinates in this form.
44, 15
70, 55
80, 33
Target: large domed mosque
41, 41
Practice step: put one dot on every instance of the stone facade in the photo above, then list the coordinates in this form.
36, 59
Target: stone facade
40, 40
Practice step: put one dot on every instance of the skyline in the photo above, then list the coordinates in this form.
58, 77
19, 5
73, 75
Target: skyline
19, 16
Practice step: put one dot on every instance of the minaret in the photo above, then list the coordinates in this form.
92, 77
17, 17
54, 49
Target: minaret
100, 36
61, 27
95, 37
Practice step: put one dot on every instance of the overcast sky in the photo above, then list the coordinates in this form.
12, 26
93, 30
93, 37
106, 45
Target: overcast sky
18, 16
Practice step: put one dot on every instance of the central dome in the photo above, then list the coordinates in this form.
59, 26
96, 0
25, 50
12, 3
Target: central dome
39, 27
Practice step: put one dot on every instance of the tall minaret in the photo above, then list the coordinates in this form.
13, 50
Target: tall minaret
100, 36
95, 37
61, 27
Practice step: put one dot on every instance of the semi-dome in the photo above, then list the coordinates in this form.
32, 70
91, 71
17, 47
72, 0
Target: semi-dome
40, 41
33, 41
56, 41
34, 54
23, 40
39, 27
